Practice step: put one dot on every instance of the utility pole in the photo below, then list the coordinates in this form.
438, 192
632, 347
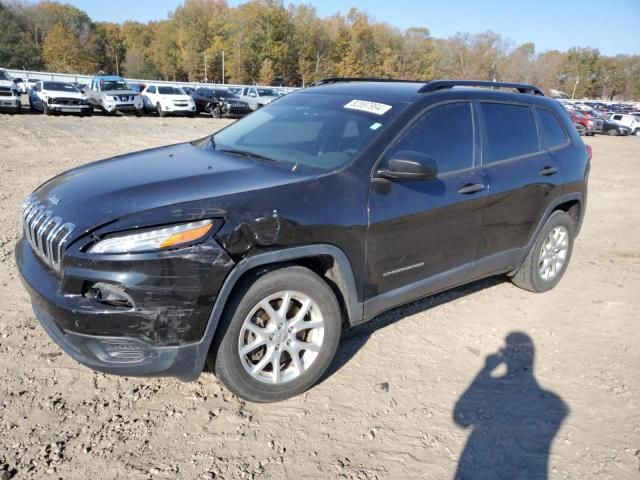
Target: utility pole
204, 54
117, 66
223, 67
575, 85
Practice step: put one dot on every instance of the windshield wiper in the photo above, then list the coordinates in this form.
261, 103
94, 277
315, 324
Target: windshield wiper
245, 153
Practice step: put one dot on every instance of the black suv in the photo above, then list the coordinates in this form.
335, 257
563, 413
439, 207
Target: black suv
254, 247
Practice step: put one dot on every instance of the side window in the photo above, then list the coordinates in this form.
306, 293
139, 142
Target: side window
552, 131
253, 93
511, 131
445, 133
617, 117
152, 89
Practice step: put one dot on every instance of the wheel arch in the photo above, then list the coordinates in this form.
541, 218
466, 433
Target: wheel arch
328, 261
572, 204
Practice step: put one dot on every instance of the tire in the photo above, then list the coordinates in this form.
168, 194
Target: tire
580, 128
530, 275
636, 132
46, 109
243, 309
161, 112
138, 113
613, 132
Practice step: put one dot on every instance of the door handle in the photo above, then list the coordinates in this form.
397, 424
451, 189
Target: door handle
470, 188
547, 171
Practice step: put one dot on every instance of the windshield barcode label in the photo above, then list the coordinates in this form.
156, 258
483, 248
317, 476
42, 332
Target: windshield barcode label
371, 107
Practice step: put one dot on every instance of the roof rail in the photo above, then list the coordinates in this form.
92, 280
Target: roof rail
328, 80
442, 84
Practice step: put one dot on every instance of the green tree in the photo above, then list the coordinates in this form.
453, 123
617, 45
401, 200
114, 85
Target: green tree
16, 48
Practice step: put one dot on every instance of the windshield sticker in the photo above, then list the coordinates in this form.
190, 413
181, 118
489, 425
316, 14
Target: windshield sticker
370, 107
375, 126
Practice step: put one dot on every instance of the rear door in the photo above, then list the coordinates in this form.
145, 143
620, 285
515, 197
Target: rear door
523, 177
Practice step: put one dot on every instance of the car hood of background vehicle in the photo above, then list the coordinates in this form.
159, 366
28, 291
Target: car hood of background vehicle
65, 94
99, 193
117, 93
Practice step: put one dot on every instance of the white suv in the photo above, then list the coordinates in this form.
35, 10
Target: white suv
166, 99
630, 121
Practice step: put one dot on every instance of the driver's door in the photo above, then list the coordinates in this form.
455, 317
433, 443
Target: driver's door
423, 234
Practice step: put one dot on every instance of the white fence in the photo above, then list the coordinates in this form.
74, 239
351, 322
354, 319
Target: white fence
86, 79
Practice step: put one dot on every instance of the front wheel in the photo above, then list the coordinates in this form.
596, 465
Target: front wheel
547, 260
279, 335
636, 132
161, 112
613, 132
46, 109
215, 112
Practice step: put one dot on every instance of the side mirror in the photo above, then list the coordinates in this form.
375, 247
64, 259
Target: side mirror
410, 165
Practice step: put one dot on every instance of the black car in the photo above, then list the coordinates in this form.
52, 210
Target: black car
254, 247
219, 102
613, 129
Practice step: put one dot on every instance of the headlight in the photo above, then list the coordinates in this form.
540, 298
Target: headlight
115, 99
172, 236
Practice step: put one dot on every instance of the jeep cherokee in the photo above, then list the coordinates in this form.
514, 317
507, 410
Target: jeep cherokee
254, 247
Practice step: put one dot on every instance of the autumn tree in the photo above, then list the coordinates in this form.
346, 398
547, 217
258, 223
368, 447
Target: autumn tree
61, 52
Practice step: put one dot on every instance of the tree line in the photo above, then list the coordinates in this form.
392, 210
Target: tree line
266, 42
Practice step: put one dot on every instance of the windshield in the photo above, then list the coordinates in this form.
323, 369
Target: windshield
267, 92
318, 130
225, 94
4, 75
106, 85
170, 91
59, 87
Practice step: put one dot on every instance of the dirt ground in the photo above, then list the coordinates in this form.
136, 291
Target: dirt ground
387, 408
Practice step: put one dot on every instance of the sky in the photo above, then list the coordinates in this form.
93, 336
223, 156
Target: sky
611, 27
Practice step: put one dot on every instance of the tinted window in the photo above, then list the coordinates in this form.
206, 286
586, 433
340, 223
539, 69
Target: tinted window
151, 89
552, 130
445, 133
511, 131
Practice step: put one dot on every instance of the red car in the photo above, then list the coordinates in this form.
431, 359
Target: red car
586, 125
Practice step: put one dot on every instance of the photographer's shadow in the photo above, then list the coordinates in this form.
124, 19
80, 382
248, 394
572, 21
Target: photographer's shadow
513, 420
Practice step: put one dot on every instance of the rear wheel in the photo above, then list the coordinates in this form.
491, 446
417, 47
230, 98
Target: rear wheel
547, 260
279, 335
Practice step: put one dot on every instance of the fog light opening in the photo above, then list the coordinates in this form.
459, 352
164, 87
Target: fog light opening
109, 295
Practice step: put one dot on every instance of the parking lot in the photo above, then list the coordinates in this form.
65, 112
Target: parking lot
386, 410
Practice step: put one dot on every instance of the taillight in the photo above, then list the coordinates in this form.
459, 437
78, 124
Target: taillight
589, 151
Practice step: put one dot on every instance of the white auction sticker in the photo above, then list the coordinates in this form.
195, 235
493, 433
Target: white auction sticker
371, 107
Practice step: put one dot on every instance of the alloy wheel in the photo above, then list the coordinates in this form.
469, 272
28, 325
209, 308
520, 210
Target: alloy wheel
553, 253
281, 337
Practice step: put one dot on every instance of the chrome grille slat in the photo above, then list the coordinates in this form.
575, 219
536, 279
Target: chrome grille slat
46, 233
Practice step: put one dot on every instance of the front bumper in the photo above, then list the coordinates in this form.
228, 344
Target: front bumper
10, 103
82, 108
162, 335
170, 108
122, 107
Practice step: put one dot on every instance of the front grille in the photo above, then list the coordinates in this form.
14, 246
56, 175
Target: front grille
66, 101
126, 98
46, 233
5, 92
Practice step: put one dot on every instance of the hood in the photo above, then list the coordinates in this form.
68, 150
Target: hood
99, 193
119, 92
59, 94
7, 83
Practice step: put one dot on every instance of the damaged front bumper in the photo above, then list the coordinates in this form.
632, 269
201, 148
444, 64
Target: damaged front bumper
161, 334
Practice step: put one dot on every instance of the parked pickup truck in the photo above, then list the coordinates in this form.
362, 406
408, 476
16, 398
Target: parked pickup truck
111, 94
9, 94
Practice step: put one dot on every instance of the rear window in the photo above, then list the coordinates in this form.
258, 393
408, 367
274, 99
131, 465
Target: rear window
552, 132
510, 130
